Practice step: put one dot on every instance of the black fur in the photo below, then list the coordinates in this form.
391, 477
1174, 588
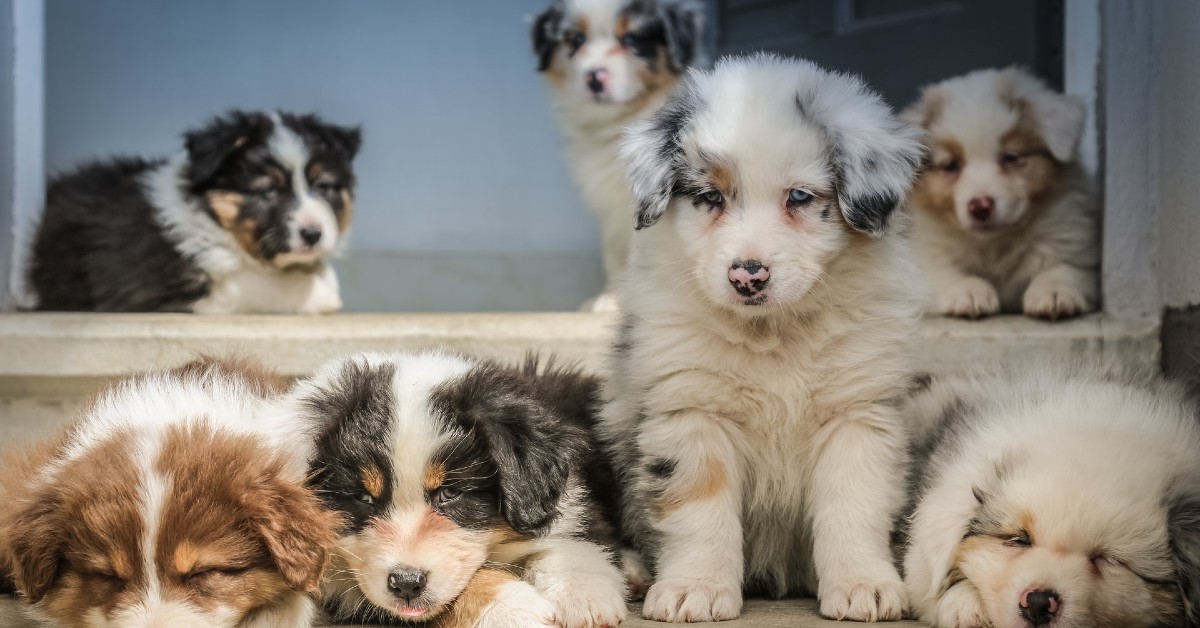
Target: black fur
1183, 525
664, 129
682, 24
545, 34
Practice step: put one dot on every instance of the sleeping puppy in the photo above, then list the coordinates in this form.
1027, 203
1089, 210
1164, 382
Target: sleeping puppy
244, 220
442, 465
609, 63
1005, 220
166, 503
1061, 497
753, 399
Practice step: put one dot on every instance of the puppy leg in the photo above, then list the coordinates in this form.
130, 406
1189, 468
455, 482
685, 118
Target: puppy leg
967, 296
581, 580
1061, 292
958, 607
497, 599
694, 513
858, 486
323, 294
637, 575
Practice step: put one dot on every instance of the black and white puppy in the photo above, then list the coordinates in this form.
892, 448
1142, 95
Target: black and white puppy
242, 221
443, 465
609, 63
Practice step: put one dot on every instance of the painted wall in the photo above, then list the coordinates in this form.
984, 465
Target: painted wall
464, 202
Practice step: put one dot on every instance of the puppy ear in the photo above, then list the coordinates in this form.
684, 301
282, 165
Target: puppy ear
545, 34
1183, 527
208, 147
683, 24
1059, 118
298, 532
34, 537
652, 153
346, 138
927, 108
875, 155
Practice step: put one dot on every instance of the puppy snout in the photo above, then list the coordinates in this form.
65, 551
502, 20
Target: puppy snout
981, 207
748, 277
1039, 606
406, 582
596, 80
310, 234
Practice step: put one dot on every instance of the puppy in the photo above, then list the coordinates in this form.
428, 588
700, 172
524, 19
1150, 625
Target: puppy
1061, 497
1005, 220
166, 504
752, 406
609, 63
243, 221
442, 465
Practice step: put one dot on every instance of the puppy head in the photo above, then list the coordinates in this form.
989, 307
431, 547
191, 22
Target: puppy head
762, 171
434, 460
616, 51
281, 184
179, 523
1075, 542
999, 140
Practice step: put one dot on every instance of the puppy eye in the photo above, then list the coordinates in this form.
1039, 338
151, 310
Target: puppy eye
367, 499
799, 198
326, 187
951, 166
445, 495
1020, 540
712, 198
1101, 560
574, 39
631, 41
268, 194
1009, 159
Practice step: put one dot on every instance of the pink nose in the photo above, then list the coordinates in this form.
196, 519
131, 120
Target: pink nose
596, 80
981, 207
748, 277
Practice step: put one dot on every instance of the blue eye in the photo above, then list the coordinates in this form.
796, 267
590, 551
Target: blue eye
445, 495
797, 196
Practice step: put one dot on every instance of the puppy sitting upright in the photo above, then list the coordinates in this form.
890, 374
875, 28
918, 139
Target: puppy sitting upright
608, 63
1004, 220
243, 221
756, 375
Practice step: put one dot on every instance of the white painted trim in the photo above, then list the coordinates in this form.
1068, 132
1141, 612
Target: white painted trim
29, 180
1081, 67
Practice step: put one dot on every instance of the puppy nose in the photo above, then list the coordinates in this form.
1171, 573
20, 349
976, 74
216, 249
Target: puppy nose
981, 207
596, 80
407, 583
311, 234
1039, 606
748, 277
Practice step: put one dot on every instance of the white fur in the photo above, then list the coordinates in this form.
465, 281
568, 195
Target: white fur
1039, 258
788, 403
292, 154
518, 605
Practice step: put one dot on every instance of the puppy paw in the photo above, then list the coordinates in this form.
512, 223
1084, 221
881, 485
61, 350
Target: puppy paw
863, 599
637, 576
518, 605
1054, 300
969, 297
603, 302
592, 604
691, 600
958, 608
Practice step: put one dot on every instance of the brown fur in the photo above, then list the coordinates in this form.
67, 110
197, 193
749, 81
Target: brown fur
227, 207
482, 590
933, 191
372, 481
435, 474
707, 481
1037, 167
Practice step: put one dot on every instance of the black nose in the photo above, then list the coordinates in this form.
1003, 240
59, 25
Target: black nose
594, 83
407, 583
310, 235
1039, 607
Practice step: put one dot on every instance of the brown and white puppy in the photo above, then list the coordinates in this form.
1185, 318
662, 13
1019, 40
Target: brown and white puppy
444, 465
166, 504
1004, 219
609, 63
1064, 497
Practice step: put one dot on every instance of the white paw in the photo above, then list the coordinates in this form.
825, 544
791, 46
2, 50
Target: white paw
518, 605
603, 302
1054, 300
692, 600
637, 576
863, 599
969, 297
958, 608
321, 300
592, 603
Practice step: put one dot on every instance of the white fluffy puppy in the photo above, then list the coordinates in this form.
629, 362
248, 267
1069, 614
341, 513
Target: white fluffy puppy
1056, 497
1004, 219
753, 406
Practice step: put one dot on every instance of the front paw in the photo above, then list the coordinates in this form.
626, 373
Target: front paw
603, 302
1054, 300
969, 297
958, 608
594, 603
863, 599
518, 605
692, 600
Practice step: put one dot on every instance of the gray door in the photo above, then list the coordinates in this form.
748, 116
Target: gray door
898, 45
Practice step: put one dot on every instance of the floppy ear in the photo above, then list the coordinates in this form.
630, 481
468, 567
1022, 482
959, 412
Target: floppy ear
928, 107
683, 23
1059, 118
1183, 526
652, 150
34, 537
346, 138
208, 147
545, 34
875, 155
298, 532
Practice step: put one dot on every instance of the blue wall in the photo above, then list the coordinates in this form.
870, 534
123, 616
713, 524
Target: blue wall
463, 202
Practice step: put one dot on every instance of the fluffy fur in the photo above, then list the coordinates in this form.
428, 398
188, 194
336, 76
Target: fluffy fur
609, 63
753, 402
1062, 497
243, 221
1005, 220
442, 465
166, 503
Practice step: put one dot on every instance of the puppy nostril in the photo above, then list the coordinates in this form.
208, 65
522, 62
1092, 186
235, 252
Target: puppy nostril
310, 235
748, 277
407, 583
595, 80
981, 207
1039, 606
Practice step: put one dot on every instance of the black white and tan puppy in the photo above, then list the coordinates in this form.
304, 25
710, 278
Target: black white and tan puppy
609, 63
242, 221
1064, 497
753, 401
443, 465
1004, 216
